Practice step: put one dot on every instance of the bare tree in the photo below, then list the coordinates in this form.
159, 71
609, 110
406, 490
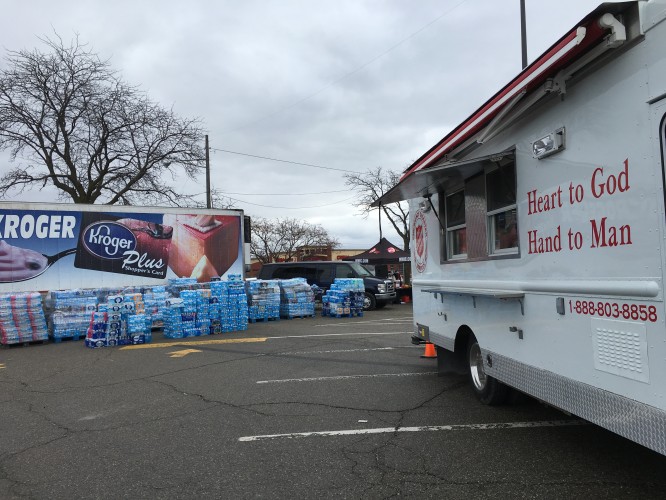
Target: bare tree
75, 125
218, 200
370, 186
266, 241
280, 239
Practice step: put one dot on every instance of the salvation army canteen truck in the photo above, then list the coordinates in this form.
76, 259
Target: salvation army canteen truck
539, 225
63, 246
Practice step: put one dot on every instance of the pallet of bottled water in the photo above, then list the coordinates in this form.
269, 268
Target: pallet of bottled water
190, 313
296, 298
173, 318
263, 298
211, 308
344, 299
22, 318
336, 304
176, 285
155, 303
70, 313
97, 334
233, 309
121, 320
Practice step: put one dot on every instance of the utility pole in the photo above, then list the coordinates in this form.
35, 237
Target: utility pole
523, 33
379, 211
209, 200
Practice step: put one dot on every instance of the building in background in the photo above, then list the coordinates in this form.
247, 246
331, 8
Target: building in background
310, 253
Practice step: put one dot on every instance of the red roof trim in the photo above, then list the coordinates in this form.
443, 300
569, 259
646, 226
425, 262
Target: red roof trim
565, 50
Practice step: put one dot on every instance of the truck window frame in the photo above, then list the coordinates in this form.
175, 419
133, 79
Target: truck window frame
487, 209
506, 243
454, 227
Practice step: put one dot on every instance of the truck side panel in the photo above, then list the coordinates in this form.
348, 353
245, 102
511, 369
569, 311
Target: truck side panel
576, 317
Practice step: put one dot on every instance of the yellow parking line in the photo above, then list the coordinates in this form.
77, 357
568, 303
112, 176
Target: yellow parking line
187, 342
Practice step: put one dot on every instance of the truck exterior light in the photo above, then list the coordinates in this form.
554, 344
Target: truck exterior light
549, 144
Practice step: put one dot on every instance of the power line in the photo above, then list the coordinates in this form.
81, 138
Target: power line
353, 72
282, 161
286, 194
291, 208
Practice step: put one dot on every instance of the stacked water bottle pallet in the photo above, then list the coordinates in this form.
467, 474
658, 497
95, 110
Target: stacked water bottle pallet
173, 318
155, 302
357, 302
181, 307
219, 307
22, 319
233, 307
296, 298
344, 299
263, 297
71, 310
188, 316
121, 320
177, 285
98, 330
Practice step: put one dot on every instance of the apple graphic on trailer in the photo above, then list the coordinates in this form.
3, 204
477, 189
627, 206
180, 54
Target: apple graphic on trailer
151, 238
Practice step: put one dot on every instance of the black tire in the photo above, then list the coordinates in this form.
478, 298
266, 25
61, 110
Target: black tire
369, 302
380, 305
488, 390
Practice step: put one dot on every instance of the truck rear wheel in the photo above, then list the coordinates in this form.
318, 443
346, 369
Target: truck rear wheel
488, 390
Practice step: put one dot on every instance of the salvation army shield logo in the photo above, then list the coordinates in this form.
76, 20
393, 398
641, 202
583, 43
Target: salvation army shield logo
420, 241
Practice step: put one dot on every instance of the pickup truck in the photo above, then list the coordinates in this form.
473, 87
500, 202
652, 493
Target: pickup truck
378, 292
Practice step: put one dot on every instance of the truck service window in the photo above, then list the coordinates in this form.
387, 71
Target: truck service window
501, 210
456, 230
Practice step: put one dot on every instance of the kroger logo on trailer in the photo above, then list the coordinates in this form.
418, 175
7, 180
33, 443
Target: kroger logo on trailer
108, 240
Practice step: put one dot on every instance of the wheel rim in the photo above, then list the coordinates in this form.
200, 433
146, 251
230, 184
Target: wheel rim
366, 302
476, 367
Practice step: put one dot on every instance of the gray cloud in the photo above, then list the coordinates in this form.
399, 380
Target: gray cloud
345, 84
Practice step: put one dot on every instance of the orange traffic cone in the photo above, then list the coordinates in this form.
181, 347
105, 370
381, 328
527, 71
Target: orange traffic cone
430, 351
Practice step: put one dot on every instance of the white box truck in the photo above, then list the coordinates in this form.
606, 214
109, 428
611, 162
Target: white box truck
539, 229
46, 246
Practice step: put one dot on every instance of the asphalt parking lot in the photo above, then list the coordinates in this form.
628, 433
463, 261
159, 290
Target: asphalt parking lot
303, 408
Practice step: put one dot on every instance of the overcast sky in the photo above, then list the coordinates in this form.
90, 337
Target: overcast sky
344, 84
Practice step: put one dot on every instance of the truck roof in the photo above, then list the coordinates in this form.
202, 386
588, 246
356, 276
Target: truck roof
586, 40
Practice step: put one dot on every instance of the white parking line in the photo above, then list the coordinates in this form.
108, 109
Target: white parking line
371, 321
424, 428
335, 335
343, 377
355, 350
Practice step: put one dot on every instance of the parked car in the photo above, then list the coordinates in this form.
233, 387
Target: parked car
378, 292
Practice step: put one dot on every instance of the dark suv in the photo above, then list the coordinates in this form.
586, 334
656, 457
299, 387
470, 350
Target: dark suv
378, 292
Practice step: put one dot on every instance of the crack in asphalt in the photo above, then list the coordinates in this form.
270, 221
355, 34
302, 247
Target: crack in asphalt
137, 379
401, 411
208, 400
378, 452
